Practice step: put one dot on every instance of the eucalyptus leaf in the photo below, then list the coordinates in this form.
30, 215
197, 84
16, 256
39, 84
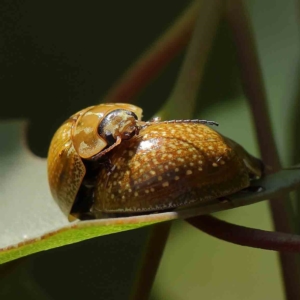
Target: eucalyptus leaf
30, 220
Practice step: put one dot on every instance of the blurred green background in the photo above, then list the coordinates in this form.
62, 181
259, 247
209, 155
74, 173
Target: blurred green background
58, 57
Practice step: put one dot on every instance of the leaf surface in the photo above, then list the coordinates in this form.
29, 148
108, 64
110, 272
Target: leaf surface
30, 221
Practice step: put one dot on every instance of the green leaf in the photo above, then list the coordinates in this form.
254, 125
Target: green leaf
30, 220
75, 233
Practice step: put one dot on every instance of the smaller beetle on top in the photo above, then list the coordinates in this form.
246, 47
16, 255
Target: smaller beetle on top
86, 135
103, 125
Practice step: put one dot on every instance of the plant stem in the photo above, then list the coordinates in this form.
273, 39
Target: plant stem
181, 103
167, 46
254, 89
188, 81
151, 260
268, 240
128, 86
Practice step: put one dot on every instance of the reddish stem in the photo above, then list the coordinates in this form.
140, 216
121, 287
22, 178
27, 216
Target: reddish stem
156, 58
150, 262
245, 236
254, 89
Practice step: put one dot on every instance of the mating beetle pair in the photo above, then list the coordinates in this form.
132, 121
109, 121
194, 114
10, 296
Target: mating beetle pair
104, 159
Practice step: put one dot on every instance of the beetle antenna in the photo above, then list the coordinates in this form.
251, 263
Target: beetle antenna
196, 121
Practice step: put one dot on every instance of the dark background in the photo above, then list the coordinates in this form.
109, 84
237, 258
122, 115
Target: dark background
57, 57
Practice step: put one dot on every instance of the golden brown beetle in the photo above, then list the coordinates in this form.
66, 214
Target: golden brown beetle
87, 135
157, 166
169, 165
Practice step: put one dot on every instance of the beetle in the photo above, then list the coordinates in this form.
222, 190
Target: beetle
86, 136
154, 166
172, 165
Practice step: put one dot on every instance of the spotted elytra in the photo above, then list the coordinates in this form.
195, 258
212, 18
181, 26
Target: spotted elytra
170, 165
